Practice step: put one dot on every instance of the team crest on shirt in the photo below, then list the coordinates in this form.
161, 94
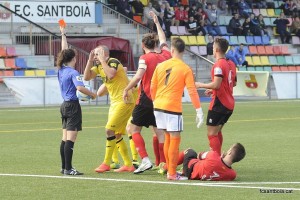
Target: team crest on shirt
79, 78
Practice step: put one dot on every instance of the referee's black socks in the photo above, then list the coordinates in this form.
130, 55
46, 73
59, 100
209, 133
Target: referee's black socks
68, 154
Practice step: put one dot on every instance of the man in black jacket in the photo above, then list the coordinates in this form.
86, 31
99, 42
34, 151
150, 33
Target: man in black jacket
281, 28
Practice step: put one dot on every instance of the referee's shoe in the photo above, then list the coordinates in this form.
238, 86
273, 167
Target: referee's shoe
73, 172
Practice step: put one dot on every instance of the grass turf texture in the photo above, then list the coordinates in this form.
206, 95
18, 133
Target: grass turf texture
30, 139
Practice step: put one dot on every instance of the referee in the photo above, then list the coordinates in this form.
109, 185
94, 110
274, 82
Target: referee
69, 81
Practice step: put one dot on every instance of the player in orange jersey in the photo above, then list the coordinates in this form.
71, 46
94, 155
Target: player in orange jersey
223, 75
167, 85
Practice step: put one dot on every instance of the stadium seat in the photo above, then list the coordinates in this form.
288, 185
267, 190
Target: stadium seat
194, 49
50, 72
277, 50
192, 40
2, 65
296, 59
3, 52
40, 72
249, 60
259, 68
272, 19
292, 68
284, 68
250, 40
185, 39
182, 30
265, 39
285, 50
250, 68
256, 61
10, 63
242, 39
276, 69
269, 50
138, 18
263, 12
201, 40
202, 50
223, 29
242, 69
174, 30
20, 63
253, 50
233, 40
295, 40
268, 68
281, 60
272, 60
258, 40
261, 50
8, 73
277, 11
226, 37
11, 51
19, 73
255, 12
264, 60
29, 73
271, 12
267, 21
227, 19
222, 21
298, 68
289, 60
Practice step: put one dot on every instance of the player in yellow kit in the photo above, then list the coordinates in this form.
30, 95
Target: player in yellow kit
115, 79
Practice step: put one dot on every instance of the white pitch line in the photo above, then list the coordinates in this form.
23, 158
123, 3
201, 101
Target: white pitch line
204, 184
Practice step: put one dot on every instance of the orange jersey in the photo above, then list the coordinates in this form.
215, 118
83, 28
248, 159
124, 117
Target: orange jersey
167, 85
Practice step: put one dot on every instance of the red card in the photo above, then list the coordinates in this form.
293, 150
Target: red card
62, 23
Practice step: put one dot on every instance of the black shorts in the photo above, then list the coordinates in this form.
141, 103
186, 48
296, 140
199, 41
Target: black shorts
143, 116
215, 118
189, 154
71, 115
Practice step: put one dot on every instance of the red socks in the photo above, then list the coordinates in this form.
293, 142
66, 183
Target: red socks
139, 145
214, 143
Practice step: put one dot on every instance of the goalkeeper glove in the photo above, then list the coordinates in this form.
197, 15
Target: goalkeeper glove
199, 117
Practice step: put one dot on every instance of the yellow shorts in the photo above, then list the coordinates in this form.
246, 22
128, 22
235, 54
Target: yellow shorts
118, 116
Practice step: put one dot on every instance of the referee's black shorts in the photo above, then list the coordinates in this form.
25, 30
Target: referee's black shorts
143, 116
71, 115
189, 154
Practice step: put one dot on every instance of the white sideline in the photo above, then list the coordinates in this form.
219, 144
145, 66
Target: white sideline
204, 184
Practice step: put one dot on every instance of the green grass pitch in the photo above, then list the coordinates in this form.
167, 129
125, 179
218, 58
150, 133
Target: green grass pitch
30, 160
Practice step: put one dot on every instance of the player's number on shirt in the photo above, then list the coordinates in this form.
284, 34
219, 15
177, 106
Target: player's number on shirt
168, 73
210, 177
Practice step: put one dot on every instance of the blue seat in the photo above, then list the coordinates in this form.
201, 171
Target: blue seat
223, 30
250, 40
233, 40
265, 39
19, 73
50, 72
257, 40
20, 63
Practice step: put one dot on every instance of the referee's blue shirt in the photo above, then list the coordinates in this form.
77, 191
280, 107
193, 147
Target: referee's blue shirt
69, 79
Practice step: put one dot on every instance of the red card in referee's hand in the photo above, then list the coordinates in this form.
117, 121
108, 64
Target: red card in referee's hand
62, 23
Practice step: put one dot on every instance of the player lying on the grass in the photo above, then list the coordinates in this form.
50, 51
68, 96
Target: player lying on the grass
210, 166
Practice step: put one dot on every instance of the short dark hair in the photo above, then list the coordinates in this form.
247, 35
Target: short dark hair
149, 40
238, 151
222, 44
178, 44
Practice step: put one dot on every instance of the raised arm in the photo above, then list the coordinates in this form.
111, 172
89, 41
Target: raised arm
160, 32
64, 44
88, 72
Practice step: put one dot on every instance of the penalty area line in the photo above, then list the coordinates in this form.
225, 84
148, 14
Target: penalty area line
204, 184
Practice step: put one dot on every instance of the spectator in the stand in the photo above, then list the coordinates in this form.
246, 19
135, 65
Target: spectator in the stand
124, 8
147, 19
199, 4
262, 25
246, 27
281, 28
235, 26
293, 9
201, 15
138, 7
232, 6
193, 11
155, 4
169, 15
286, 6
173, 2
231, 55
240, 55
212, 20
243, 8
260, 4
295, 27
209, 48
180, 16
222, 6
254, 25
193, 27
